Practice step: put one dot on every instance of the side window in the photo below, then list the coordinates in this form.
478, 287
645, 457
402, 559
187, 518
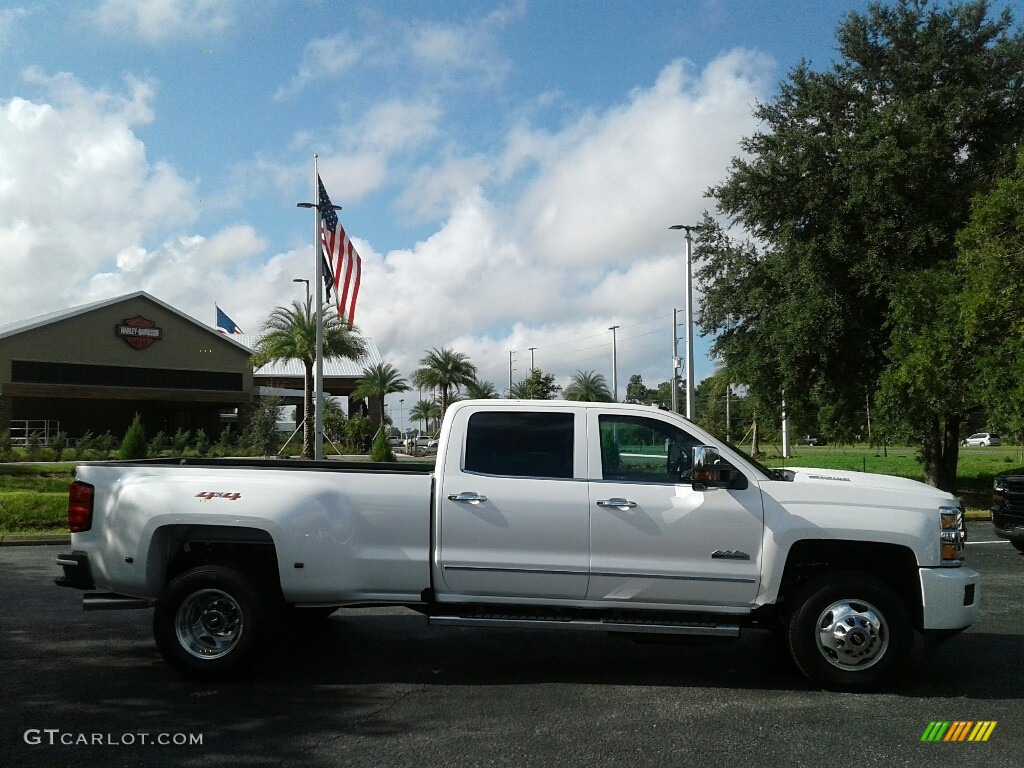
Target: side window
520, 444
635, 449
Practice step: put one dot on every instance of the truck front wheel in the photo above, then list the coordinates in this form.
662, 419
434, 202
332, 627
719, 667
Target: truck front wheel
209, 621
849, 632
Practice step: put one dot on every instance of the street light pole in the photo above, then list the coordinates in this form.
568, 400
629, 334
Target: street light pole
615, 365
689, 319
675, 360
303, 280
532, 366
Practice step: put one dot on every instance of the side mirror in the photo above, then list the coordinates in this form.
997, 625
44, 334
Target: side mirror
710, 470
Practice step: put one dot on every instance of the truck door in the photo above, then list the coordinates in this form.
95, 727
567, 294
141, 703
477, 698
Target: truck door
514, 511
654, 538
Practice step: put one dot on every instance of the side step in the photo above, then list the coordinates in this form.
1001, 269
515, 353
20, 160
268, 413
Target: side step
111, 601
587, 625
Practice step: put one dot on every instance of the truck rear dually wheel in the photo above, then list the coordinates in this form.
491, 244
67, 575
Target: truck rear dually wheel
209, 622
849, 632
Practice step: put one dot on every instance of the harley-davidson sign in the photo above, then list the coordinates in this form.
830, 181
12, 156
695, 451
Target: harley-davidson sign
138, 332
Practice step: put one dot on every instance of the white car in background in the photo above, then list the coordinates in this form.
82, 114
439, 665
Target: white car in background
982, 438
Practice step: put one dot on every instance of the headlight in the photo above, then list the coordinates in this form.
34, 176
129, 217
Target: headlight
952, 535
999, 485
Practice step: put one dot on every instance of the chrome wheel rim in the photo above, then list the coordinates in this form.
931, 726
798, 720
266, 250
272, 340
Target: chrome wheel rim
209, 624
852, 635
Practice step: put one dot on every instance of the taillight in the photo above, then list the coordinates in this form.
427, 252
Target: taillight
80, 499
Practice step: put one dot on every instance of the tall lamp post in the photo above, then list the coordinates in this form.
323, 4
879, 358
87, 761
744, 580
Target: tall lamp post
689, 318
303, 280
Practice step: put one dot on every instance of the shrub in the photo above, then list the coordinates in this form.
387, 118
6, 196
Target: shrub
181, 441
85, 443
381, 450
58, 443
202, 443
226, 441
5, 445
34, 443
261, 433
105, 443
134, 446
158, 443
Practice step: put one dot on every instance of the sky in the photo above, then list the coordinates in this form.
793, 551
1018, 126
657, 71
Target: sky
508, 171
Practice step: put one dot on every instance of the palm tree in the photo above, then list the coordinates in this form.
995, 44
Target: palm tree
445, 370
378, 381
425, 411
480, 390
589, 387
291, 335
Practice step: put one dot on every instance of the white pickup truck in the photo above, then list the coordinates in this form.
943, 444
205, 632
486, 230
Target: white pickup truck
538, 514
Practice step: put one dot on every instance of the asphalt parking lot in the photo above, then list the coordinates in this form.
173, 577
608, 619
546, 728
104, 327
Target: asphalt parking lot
379, 687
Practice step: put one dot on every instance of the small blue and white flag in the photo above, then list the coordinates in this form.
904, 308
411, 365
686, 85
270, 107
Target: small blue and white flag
224, 323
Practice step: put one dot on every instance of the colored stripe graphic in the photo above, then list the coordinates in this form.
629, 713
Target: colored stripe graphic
959, 730
935, 731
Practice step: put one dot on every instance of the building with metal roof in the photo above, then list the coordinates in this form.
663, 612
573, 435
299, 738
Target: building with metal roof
94, 366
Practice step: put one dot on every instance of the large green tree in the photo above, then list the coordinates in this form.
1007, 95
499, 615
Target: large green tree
446, 371
379, 381
588, 386
480, 390
856, 185
537, 386
426, 411
990, 269
290, 334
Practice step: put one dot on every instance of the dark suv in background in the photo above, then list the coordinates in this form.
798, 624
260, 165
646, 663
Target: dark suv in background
1008, 510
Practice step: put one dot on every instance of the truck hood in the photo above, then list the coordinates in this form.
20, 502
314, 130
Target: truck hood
867, 481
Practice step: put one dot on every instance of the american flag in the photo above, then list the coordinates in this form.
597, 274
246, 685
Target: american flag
342, 265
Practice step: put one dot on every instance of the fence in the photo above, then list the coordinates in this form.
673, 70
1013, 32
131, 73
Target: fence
22, 430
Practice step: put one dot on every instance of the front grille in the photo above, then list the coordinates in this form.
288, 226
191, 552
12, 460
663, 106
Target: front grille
1014, 502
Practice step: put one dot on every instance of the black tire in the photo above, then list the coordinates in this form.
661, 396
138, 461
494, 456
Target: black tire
871, 635
210, 622
1018, 544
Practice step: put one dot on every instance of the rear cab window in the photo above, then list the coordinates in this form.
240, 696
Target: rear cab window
510, 443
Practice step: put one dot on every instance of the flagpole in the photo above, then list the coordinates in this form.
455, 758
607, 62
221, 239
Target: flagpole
318, 381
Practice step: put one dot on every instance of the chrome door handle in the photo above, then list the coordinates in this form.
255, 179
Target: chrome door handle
471, 496
620, 503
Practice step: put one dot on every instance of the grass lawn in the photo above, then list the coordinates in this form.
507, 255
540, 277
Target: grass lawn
34, 498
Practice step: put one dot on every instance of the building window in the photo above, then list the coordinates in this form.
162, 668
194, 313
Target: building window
80, 374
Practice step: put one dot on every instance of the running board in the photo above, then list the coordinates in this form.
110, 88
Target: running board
111, 601
588, 625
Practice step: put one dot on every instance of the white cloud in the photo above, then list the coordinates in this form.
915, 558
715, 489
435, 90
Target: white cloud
76, 189
327, 57
586, 243
643, 166
431, 191
356, 163
191, 272
158, 20
9, 18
